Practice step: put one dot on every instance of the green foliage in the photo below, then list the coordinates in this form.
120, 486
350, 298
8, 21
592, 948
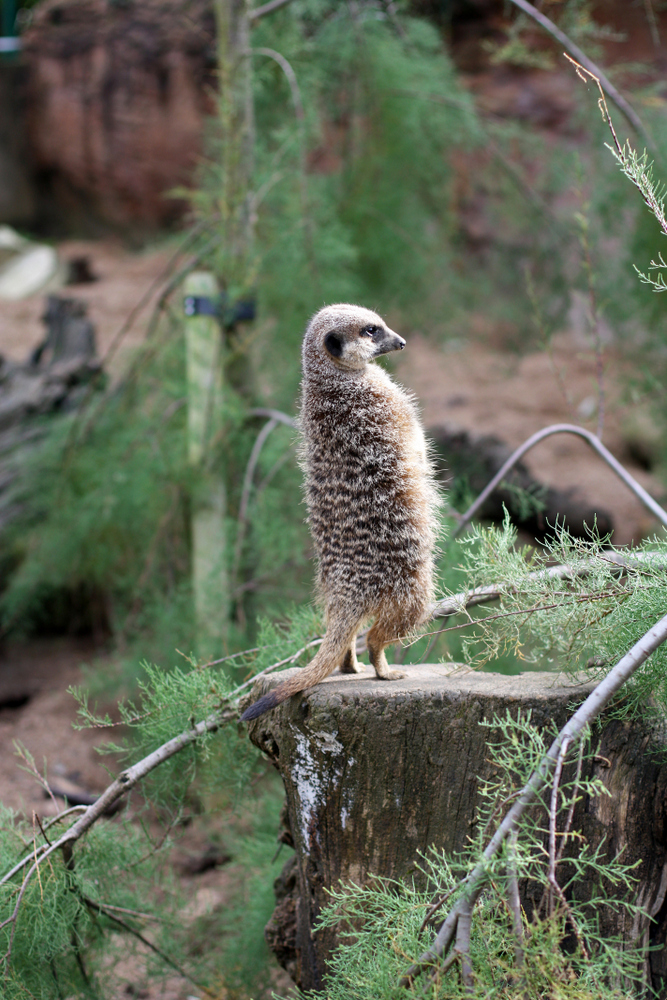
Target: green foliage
585, 623
566, 952
103, 541
639, 170
65, 909
362, 199
353, 200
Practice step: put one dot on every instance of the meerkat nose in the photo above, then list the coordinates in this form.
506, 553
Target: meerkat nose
401, 344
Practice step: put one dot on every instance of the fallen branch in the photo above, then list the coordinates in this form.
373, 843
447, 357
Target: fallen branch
594, 704
597, 446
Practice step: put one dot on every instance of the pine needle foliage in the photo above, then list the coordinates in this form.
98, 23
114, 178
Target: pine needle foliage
105, 521
585, 624
639, 170
53, 947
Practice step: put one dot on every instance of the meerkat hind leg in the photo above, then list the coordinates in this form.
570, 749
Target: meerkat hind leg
377, 639
350, 664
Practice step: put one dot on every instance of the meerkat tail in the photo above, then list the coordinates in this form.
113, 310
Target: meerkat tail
330, 655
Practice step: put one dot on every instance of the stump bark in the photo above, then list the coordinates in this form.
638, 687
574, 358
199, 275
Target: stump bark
376, 772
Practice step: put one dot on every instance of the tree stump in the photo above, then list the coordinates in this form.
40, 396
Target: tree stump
376, 772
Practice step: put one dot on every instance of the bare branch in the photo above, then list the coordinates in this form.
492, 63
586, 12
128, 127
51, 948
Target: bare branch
118, 788
291, 78
573, 802
462, 946
575, 51
619, 562
514, 902
597, 446
267, 8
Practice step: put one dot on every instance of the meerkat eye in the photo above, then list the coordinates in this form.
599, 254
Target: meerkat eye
369, 331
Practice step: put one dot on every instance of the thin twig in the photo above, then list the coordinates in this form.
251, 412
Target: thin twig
266, 8
31, 768
282, 418
573, 802
242, 521
104, 909
514, 901
553, 814
593, 320
275, 666
647, 190
570, 915
433, 909
653, 23
290, 75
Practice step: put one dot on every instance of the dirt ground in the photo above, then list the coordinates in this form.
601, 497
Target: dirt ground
475, 384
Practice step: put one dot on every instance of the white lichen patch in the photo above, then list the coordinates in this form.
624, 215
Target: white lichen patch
313, 778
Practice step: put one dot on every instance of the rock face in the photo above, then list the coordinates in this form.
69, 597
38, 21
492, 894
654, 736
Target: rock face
116, 95
17, 202
376, 772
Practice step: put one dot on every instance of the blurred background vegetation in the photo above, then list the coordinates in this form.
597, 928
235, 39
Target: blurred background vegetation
384, 169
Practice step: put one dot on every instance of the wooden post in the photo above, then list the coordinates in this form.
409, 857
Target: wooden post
203, 340
237, 137
377, 772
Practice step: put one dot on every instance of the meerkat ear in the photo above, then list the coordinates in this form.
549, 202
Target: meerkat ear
334, 345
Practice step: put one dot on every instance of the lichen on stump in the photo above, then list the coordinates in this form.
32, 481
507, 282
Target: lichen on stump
376, 772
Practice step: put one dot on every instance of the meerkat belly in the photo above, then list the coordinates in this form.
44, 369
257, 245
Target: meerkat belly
362, 519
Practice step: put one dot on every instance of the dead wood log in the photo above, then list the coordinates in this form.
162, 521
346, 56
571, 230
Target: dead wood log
374, 773
467, 460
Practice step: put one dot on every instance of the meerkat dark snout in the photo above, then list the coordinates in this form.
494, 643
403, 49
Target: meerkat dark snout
370, 492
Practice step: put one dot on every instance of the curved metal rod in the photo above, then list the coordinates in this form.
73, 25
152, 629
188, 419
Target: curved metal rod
282, 418
597, 446
274, 417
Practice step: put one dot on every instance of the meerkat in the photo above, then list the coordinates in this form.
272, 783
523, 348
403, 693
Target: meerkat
370, 494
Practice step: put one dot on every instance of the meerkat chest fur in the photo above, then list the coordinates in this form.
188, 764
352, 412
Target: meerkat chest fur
369, 485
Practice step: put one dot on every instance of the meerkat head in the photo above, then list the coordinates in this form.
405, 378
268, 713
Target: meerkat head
350, 336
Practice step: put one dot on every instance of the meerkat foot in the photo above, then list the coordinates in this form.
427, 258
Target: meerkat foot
390, 675
379, 662
350, 664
